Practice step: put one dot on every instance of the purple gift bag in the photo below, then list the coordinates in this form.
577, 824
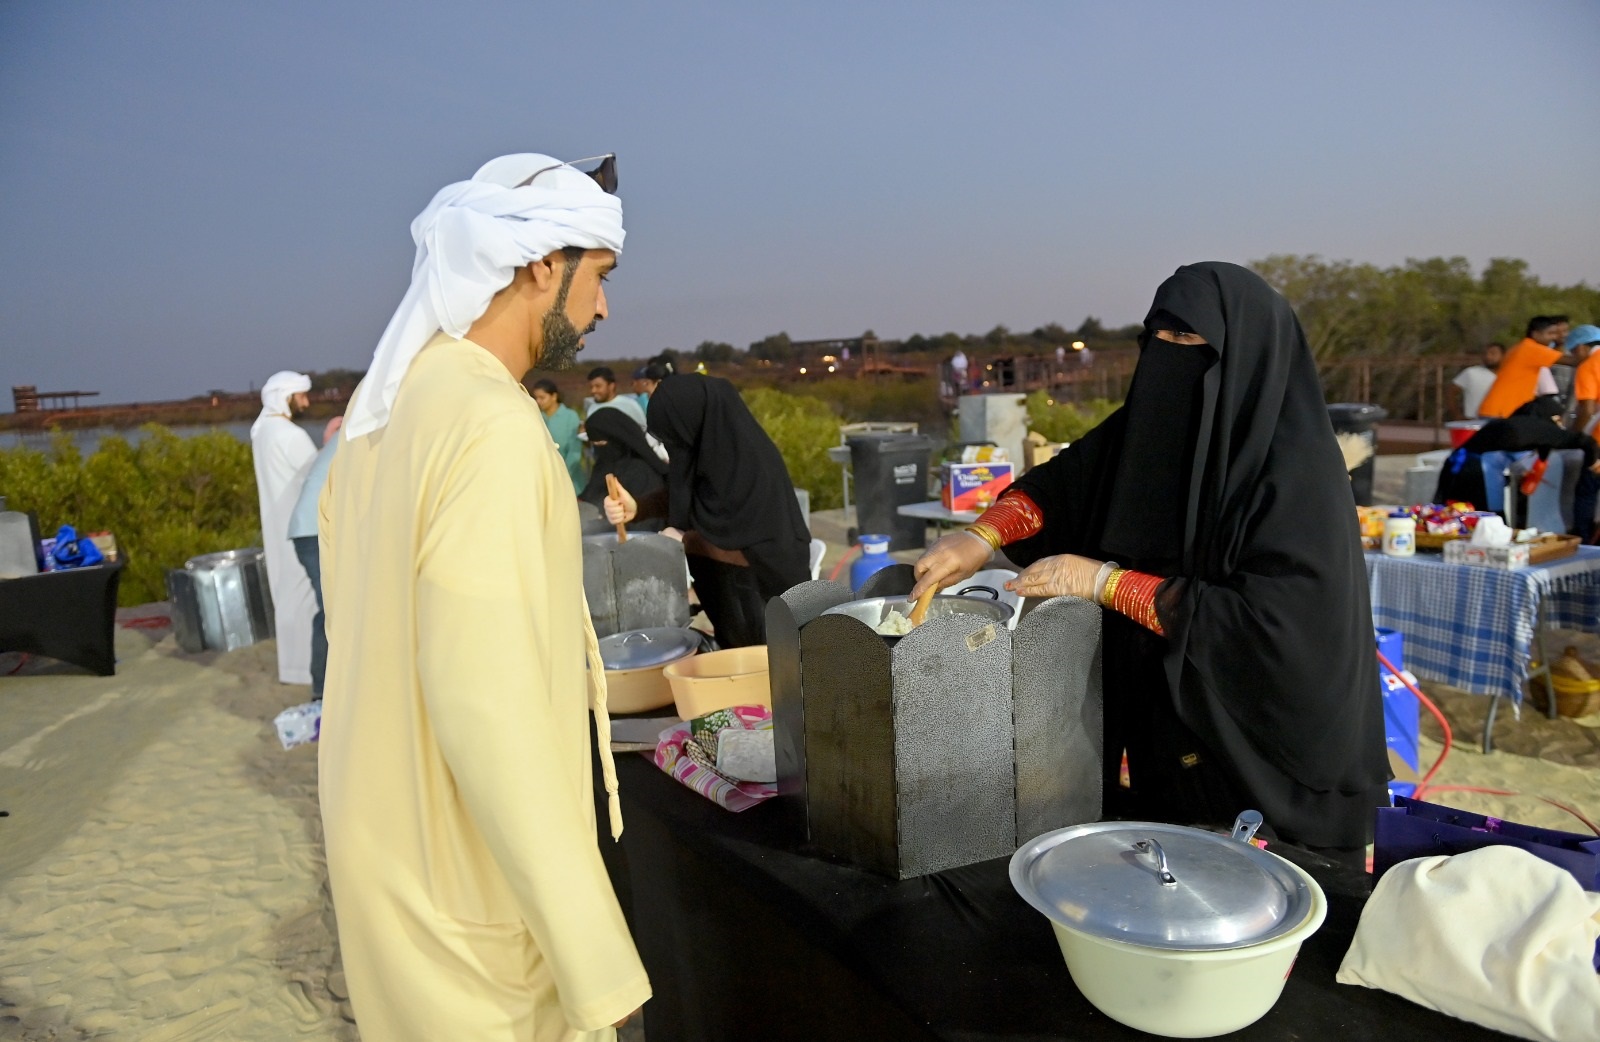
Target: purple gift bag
1412, 829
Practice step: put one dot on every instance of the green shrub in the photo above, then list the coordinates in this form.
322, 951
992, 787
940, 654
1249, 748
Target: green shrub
803, 428
1066, 421
166, 499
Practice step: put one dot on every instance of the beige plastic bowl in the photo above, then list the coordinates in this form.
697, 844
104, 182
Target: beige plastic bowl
706, 683
637, 690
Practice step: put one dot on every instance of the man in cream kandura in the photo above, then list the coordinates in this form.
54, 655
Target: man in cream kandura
456, 787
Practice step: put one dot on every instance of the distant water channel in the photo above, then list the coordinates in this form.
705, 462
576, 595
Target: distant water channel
88, 439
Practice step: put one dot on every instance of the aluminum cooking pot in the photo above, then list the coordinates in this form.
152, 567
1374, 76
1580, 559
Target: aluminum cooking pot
1168, 929
875, 609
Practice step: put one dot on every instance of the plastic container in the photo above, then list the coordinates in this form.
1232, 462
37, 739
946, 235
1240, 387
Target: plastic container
1400, 535
874, 558
635, 663
1461, 430
1170, 930
300, 724
706, 683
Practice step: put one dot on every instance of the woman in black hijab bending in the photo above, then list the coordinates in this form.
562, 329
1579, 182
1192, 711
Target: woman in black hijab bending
729, 493
620, 450
1212, 516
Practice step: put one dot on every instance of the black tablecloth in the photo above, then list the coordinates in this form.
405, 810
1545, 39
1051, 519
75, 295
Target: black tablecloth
69, 615
746, 938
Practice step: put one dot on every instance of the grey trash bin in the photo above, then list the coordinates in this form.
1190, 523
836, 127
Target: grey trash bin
891, 471
221, 601
1359, 418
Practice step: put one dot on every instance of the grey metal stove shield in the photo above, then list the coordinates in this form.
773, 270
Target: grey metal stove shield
909, 753
635, 585
785, 615
849, 741
953, 745
1058, 707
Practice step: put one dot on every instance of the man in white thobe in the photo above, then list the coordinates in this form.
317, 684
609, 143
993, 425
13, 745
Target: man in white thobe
283, 454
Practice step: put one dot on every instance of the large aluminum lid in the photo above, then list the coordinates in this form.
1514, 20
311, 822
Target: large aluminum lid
1106, 880
642, 649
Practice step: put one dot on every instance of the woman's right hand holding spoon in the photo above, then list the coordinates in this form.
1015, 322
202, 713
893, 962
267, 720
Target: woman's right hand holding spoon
954, 558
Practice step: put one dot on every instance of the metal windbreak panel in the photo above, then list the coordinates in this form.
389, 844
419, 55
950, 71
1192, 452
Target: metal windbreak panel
953, 744
785, 615
599, 586
1059, 711
650, 579
849, 741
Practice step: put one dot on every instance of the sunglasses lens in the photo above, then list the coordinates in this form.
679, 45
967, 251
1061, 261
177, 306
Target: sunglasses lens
605, 175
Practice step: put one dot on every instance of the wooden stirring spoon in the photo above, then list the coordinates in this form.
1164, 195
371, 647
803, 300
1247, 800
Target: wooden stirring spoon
614, 490
920, 612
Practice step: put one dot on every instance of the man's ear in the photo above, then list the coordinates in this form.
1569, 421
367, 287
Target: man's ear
543, 271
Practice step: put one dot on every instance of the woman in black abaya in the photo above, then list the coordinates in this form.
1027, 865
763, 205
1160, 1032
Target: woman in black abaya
729, 493
1212, 516
621, 451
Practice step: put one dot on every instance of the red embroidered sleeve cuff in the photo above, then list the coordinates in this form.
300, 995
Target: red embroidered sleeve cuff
1014, 517
1134, 594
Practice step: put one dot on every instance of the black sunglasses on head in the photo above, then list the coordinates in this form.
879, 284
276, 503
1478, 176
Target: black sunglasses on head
605, 175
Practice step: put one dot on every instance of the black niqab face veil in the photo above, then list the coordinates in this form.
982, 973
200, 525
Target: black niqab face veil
1145, 520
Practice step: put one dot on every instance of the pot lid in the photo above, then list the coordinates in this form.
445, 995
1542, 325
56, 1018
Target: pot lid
642, 649
1106, 879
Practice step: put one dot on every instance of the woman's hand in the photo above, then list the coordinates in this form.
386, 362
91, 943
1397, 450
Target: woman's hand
953, 558
1064, 575
621, 511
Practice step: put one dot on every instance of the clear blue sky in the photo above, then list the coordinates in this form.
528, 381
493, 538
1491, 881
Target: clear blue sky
195, 194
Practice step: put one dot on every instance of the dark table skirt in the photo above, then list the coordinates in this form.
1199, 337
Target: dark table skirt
747, 938
68, 615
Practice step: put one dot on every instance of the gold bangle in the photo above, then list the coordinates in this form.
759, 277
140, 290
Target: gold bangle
1106, 598
985, 533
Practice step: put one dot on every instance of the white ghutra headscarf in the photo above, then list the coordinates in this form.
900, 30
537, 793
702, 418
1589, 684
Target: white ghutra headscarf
275, 395
470, 240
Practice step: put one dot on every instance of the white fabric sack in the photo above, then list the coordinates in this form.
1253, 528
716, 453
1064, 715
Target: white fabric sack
1495, 936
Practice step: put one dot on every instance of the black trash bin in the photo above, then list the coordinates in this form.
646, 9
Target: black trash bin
1359, 418
891, 471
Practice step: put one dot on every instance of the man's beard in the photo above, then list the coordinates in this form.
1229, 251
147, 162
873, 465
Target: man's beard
562, 340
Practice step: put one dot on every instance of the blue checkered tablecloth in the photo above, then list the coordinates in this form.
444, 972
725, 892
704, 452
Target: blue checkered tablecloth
1471, 626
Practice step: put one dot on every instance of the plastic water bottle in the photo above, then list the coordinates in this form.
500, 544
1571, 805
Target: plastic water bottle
874, 557
298, 725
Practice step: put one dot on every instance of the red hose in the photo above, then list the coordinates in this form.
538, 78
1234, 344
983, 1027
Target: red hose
1423, 786
840, 566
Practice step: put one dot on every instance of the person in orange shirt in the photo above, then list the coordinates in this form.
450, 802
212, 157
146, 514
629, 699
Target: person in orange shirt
1582, 342
1517, 381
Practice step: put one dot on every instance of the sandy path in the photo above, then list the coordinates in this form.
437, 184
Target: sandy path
161, 875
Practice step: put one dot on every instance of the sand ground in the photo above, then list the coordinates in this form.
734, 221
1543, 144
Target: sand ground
161, 875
